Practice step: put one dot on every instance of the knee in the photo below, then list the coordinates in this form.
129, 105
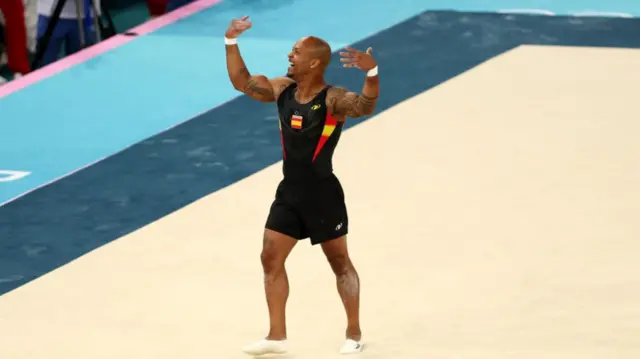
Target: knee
340, 264
269, 261
270, 258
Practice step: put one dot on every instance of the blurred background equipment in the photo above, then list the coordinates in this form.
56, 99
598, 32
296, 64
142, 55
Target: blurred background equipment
31, 35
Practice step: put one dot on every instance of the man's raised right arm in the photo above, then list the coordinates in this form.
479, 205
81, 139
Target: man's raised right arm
258, 87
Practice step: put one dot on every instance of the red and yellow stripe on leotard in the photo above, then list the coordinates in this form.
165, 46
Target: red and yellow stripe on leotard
330, 124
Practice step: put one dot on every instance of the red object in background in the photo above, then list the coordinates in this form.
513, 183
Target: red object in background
156, 7
15, 35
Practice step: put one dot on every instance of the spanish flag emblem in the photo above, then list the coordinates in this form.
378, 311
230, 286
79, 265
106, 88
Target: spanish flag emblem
296, 122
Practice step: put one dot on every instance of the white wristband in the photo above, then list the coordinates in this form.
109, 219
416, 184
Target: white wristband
228, 41
373, 72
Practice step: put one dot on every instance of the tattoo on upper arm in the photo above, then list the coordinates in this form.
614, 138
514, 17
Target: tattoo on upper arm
352, 104
253, 89
333, 105
366, 103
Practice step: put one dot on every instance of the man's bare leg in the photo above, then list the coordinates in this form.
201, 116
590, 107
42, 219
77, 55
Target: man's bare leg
348, 283
275, 250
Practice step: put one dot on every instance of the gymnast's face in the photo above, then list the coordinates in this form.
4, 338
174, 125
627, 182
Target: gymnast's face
303, 59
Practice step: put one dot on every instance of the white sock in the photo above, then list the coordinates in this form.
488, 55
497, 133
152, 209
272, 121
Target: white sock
351, 346
266, 346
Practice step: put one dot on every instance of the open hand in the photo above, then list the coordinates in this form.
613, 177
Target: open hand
237, 27
358, 59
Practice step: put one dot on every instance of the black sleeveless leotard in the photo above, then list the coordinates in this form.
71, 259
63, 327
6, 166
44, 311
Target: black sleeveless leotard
309, 201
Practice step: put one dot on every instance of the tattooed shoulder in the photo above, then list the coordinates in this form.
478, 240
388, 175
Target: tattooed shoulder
333, 98
279, 85
350, 103
253, 88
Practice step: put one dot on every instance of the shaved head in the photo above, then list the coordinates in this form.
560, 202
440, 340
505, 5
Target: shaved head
309, 55
318, 48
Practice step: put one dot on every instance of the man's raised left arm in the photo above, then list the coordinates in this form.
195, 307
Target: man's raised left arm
346, 103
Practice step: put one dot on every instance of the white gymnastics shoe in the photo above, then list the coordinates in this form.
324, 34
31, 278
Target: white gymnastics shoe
266, 346
351, 346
